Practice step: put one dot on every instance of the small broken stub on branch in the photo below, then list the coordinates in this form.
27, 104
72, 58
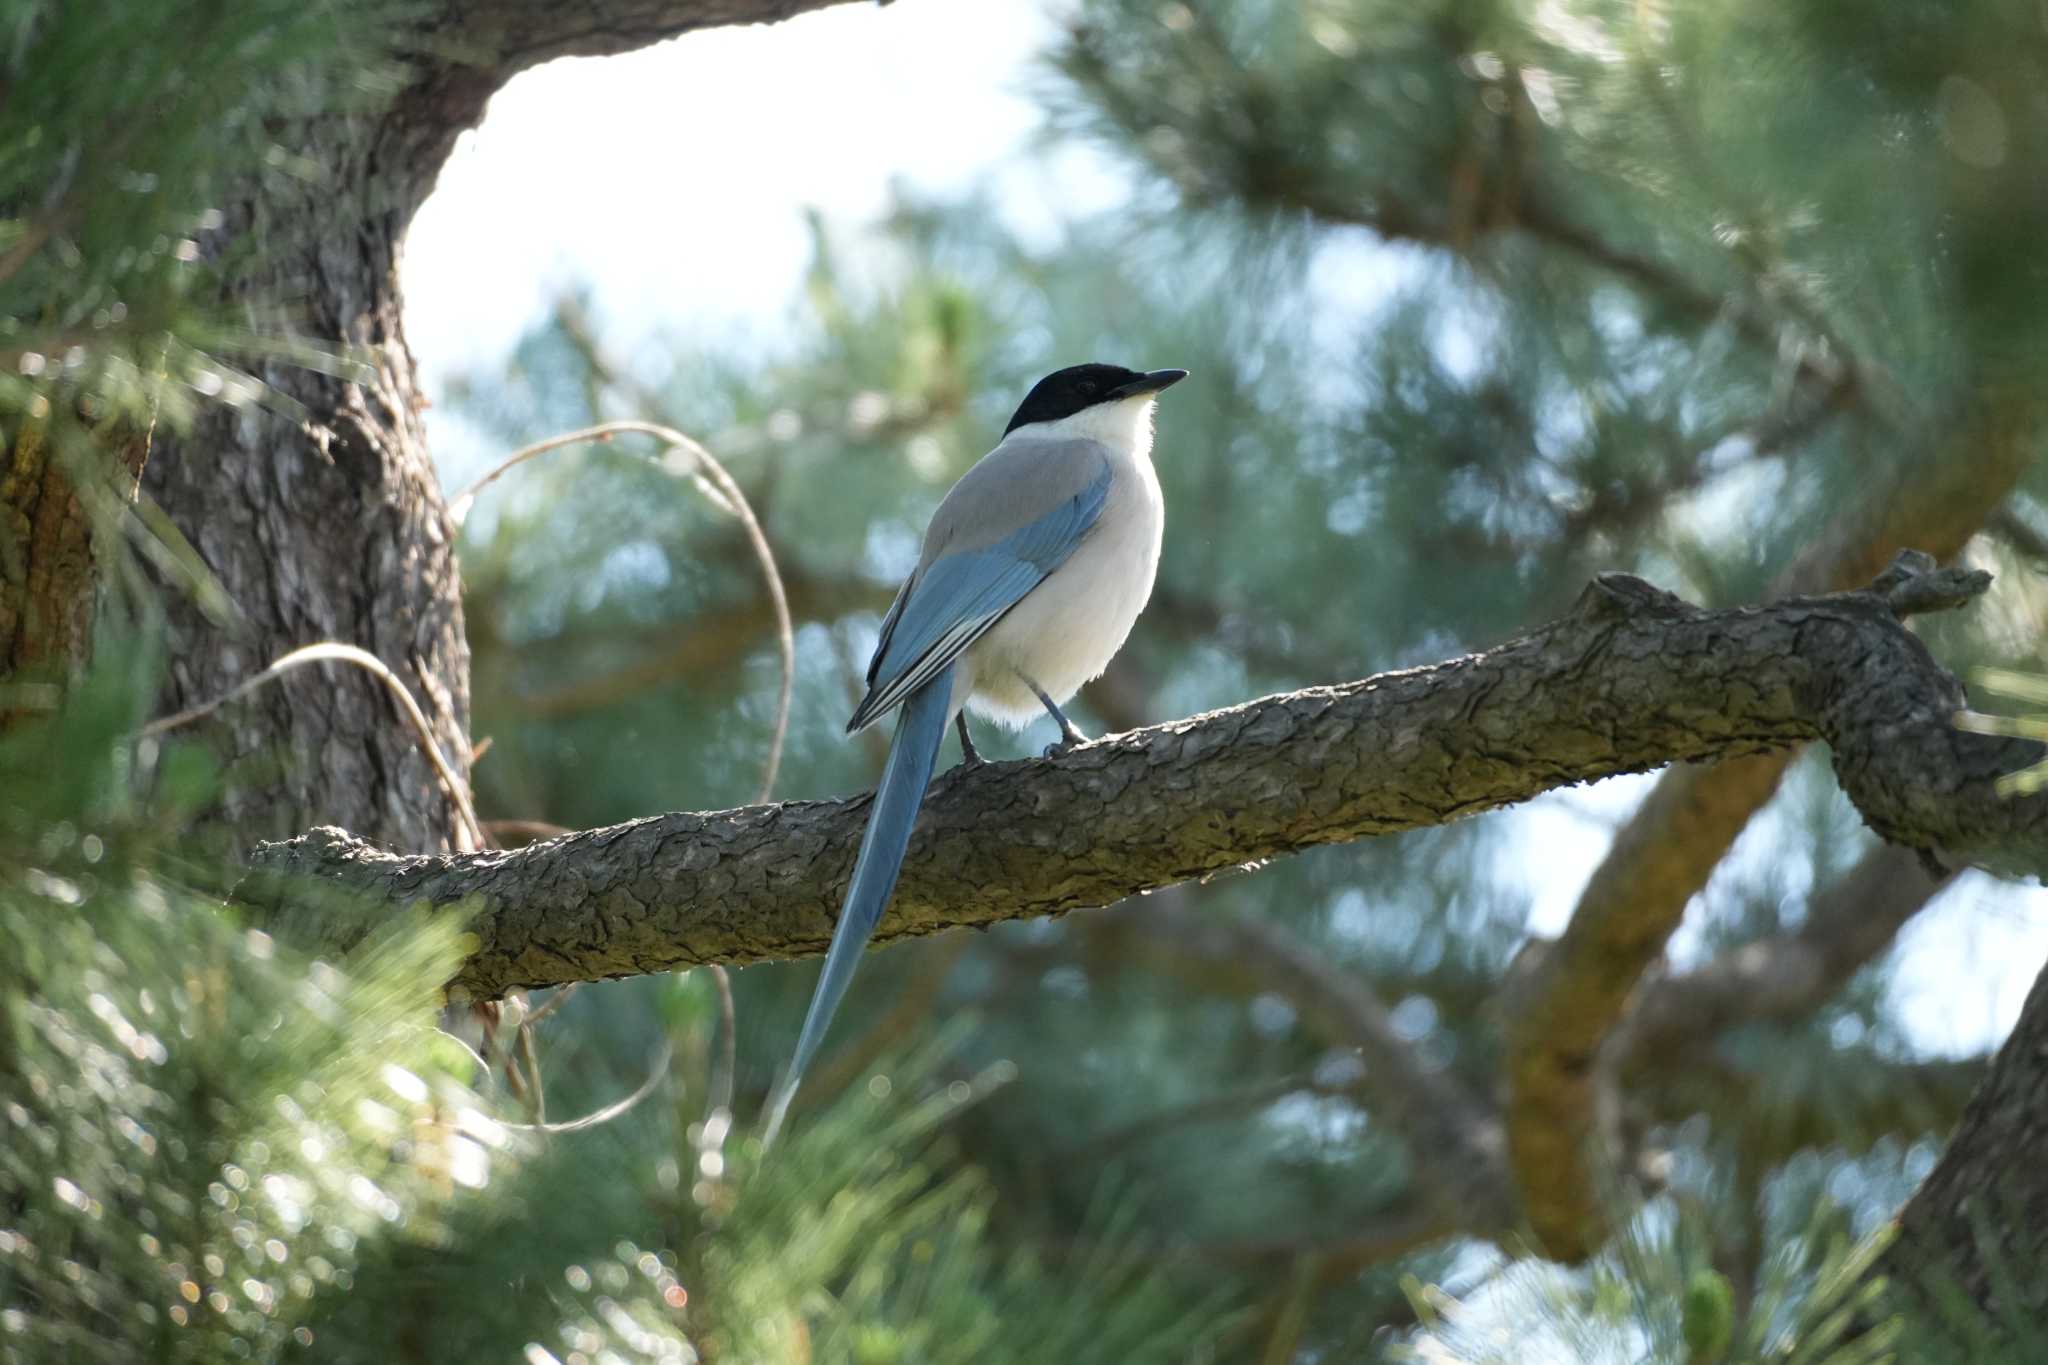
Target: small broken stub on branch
1913, 583
1618, 596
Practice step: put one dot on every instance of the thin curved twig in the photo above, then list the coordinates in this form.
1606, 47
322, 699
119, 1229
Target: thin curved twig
333, 651
529, 1066
717, 1124
728, 1047
720, 489
551, 1004
613, 1110
528, 1059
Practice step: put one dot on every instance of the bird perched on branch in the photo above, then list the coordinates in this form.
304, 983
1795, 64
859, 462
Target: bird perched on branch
1035, 567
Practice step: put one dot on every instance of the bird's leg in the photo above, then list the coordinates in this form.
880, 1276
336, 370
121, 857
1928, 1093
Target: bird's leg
969, 755
1070, 736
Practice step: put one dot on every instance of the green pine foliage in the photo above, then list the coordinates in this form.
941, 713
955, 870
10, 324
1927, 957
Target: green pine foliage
1632, 320
1664, 289
127, 124
213, 1148
202, 1129
122, 127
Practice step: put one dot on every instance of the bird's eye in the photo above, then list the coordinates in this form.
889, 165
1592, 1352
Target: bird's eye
1086, 386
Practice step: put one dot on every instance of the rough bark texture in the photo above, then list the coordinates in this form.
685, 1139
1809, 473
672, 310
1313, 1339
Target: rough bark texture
47, 582
43, 542
329, 524
330, 529
1670, 847
1978, 1225
1632, 679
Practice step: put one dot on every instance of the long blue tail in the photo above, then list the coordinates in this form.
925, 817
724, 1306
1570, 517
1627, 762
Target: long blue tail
920, 728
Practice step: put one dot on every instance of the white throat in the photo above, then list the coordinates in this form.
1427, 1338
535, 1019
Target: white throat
1125, 426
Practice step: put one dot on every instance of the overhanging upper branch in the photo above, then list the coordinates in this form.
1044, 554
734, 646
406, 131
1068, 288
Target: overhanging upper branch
1633, 678
515, 34
463, 51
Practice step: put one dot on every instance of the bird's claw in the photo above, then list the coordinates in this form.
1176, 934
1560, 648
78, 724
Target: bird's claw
1066, 744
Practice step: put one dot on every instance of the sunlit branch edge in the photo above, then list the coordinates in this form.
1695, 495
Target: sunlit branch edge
1632, 679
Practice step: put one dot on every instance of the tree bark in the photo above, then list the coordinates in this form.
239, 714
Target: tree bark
1632, 679
48, 588
1664, 855
328, 523
1978, 1225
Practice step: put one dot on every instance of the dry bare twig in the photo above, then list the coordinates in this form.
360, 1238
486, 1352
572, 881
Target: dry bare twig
719, 488
333, 651
616, 1108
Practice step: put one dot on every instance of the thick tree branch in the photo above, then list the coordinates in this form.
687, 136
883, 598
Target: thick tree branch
1454, 1137
1978, 1224
1630, 679
1670, 847
1782, 977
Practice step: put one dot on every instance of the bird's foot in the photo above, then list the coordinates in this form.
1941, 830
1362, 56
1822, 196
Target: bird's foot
1070, 734
970, 757
1068, 741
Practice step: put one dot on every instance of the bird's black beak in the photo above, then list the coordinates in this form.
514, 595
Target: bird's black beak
1148, 383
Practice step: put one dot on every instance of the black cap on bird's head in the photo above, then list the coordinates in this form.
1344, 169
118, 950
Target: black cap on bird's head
1066, 392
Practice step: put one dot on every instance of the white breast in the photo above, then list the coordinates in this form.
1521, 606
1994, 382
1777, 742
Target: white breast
1068, 628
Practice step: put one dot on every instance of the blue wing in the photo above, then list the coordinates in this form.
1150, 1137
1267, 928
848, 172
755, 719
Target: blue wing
953, 598
953, 601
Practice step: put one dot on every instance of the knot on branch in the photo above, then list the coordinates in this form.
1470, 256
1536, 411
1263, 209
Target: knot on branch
282, 871
1620, 596
1913, 583
319, 847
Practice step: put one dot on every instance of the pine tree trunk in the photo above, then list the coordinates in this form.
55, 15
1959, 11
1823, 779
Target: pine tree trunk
328, 524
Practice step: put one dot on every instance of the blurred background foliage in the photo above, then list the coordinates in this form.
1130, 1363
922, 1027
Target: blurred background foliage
216, 1149
1658, 288
1625, 315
